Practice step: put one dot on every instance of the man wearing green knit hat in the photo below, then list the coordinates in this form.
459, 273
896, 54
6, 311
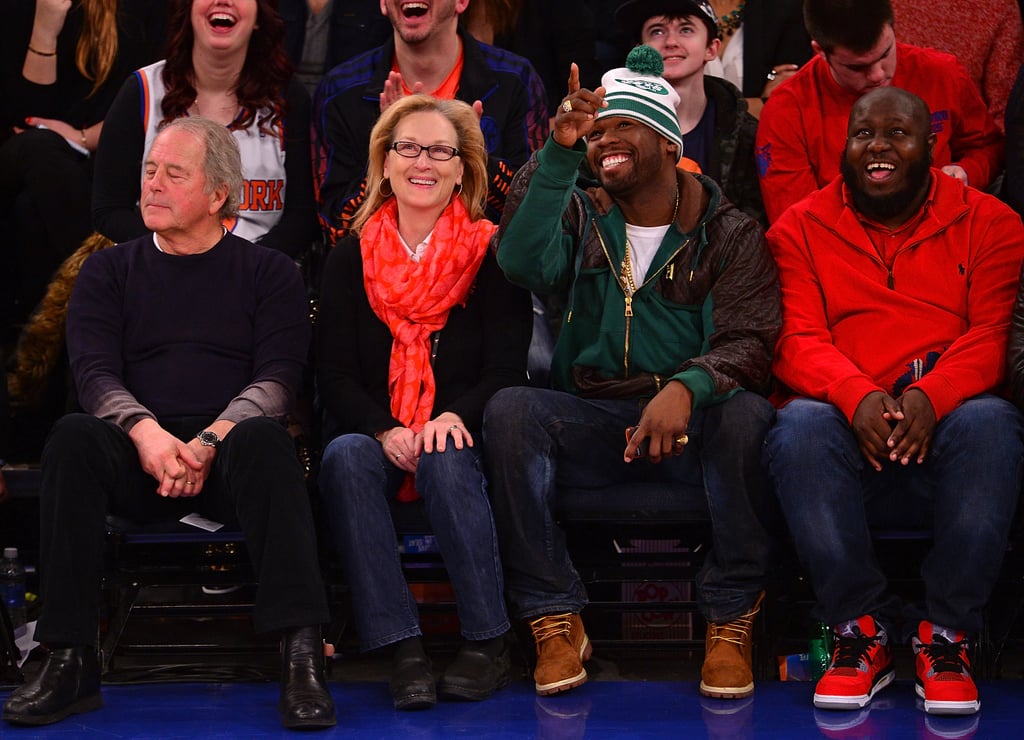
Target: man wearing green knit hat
672, 313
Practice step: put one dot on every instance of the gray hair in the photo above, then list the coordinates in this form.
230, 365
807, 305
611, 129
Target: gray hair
222, 164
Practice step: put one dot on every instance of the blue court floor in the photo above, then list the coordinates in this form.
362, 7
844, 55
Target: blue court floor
600, 709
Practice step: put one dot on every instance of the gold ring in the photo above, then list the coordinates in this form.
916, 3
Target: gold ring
567, 105
398, 455
681, 440
190, 483
772, 74
453, 427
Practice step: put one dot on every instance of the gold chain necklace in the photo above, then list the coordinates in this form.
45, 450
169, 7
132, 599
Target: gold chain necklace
626, 269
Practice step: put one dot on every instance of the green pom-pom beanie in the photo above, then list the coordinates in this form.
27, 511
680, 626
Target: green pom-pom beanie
639, 92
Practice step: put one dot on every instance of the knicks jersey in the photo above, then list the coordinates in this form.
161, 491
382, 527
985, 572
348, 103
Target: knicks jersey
263, 156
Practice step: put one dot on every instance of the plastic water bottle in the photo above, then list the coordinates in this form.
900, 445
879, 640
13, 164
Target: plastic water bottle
820, 650
12, 585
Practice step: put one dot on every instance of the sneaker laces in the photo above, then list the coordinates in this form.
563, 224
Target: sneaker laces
550, 625
946, 657
852, 651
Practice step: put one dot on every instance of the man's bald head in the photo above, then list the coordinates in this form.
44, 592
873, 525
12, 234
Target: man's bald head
897, 99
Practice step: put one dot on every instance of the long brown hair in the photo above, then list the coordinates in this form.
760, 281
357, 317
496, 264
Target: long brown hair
500, 15
97, 46
264, 75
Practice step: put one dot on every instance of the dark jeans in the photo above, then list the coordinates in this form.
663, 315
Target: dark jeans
537, 440
356, 482
91, 467
965, 492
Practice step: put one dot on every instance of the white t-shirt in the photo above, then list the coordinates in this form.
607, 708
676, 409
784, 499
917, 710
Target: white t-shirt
643, 245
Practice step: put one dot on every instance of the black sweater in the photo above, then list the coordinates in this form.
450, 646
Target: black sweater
482, 348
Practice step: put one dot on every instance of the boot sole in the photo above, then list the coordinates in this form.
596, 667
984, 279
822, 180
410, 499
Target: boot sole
88, 704
461, 693
298, 724
415, 702
727, 692
563, 685
586, 650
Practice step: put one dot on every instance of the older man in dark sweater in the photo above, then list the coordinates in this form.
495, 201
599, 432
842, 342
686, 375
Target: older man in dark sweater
186, 346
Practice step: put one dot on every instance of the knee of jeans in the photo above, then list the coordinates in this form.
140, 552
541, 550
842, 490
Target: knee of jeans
347, 453
802, 426
746, 414
504, 413
501, 404
445, 474
986, 424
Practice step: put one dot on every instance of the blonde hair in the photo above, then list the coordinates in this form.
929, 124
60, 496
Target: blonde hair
469, 142
97, 46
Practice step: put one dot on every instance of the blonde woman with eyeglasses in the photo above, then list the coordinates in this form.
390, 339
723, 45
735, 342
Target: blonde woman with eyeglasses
417, 329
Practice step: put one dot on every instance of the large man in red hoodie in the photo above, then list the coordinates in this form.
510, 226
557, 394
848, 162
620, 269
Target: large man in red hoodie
897, 287
800, 134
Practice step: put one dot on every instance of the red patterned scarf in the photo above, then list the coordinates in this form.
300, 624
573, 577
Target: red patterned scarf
413, 299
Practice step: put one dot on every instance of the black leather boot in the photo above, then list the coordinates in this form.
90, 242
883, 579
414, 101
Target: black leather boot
412, 680
67, 683
305, 701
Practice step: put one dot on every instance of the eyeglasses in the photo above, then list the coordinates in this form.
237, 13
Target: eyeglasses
438, 152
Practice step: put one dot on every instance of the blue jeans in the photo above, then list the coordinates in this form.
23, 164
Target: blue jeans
537, 440
356, 482
965, 492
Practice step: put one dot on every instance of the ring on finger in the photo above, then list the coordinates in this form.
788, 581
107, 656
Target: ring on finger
567, 105
772, 74
453, 427
681, 440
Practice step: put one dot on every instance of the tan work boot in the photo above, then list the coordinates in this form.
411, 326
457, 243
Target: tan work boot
726, 673
562, 646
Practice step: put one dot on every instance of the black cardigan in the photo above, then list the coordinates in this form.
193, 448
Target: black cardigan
482, 348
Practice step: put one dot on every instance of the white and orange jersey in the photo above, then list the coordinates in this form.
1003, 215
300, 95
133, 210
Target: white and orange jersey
263, 158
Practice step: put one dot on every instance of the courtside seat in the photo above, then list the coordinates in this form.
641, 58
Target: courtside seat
637, 548
171, 555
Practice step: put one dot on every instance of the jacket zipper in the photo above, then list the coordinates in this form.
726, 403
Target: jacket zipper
628, 314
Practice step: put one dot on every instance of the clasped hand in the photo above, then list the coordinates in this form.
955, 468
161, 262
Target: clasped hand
898, 430
180, 468
403, 446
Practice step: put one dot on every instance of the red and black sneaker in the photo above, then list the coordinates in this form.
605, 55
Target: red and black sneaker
944, 671
861, 666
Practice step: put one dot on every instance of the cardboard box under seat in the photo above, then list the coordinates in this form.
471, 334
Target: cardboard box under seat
655, 623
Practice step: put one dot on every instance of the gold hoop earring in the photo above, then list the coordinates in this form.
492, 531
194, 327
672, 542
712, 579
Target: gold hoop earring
380, 188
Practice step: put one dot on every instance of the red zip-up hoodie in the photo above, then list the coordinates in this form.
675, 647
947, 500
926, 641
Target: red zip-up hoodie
935, 318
